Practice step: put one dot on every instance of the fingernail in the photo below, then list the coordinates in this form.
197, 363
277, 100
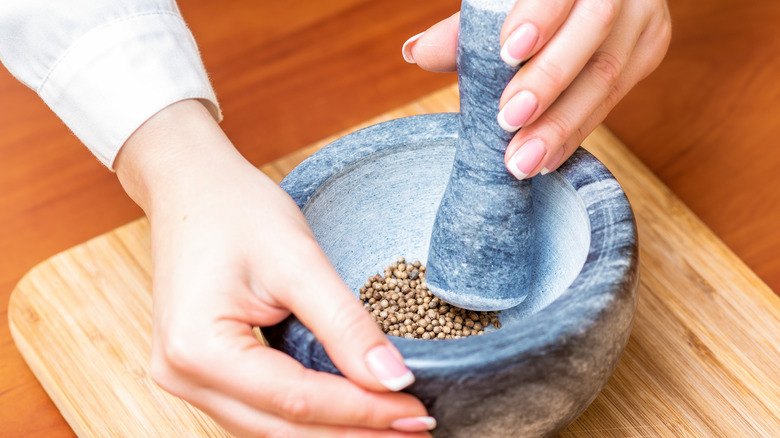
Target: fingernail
519, 44
414, 424
517, 111
406, 50
552, 162
525, 160
388, 368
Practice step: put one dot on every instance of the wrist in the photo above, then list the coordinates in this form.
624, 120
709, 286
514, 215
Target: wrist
173, 154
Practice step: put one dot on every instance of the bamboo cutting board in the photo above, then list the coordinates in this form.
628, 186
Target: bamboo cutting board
703, 359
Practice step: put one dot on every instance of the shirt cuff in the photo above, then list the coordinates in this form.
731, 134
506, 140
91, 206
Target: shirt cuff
118, 75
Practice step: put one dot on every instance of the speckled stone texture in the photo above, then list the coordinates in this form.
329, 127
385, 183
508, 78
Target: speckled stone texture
372, 196
483, 226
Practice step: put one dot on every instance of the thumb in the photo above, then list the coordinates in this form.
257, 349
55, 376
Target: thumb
435, 49
351, 337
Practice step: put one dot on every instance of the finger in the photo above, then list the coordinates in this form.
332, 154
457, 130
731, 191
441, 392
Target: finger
270, 381
351, 337
528, 27
542, 79
648, 53
243, 420
435, 49
539, 144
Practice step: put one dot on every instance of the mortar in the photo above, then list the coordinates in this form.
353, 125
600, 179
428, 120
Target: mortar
374, 195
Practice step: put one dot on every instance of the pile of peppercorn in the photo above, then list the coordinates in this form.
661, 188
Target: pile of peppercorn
402, 305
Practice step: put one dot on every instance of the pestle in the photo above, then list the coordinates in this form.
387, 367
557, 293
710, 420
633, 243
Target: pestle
481, 249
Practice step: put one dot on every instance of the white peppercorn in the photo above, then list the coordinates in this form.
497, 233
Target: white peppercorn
402, 305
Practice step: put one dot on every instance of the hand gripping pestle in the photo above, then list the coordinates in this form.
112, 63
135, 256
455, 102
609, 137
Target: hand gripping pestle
481, 248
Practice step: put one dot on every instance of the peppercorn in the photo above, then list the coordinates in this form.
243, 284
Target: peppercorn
402, 305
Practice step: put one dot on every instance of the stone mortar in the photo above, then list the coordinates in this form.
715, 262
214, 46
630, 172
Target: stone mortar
373, 195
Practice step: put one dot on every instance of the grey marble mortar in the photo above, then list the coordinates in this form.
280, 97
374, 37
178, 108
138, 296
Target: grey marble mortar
372, 196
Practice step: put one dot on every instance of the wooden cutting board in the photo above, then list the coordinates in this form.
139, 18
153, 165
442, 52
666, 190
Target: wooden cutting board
703, 359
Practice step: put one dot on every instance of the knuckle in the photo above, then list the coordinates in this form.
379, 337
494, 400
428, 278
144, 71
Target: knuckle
613, 97
602, 11
558, 126
293, 406
653, 45
573, 143
664, 36
162, 374
579, 135
606, 66
175, 360
180, 355
297, 408
557, 8
293, 403
554, 75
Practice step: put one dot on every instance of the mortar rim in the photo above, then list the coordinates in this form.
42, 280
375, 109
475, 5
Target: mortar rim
583, 171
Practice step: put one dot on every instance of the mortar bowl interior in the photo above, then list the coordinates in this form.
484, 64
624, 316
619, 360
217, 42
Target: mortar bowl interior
372, 197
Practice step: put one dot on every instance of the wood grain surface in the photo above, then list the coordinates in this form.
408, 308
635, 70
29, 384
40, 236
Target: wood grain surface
290, 73
701, 361
286, 74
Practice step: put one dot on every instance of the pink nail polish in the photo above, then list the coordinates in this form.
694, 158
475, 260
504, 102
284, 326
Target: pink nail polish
525, 160
414, 424
391, 372
519, 44
406, 50
552, 162
517, 111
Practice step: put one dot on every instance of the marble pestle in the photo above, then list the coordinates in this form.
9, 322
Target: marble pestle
481, 248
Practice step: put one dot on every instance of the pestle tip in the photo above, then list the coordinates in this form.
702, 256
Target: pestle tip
474, 301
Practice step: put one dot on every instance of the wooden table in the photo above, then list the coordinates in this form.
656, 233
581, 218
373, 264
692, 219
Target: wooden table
702, 359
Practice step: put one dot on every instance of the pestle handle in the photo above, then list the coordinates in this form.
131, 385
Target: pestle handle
481, 248
482, 77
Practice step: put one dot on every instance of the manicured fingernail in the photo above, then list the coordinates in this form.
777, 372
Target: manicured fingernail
406, 50
388, 368
552, 162
525, 160
517, 111
519, 44
414, 424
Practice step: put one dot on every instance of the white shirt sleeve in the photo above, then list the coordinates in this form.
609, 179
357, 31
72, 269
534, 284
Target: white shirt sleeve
104, 67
